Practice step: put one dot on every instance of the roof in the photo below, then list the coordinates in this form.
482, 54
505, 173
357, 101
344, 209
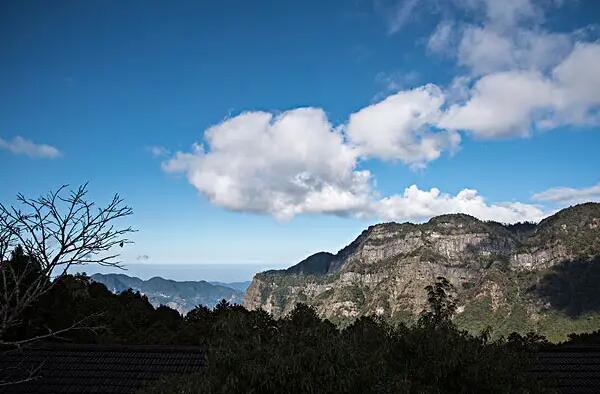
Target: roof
573, 369
124, 369
94, 368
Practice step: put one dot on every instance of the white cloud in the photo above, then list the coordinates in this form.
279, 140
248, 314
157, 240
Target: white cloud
483, 51
486, 50
297, 162
442, 39
459, 90
399, 127
158, 151
578, 82
498, 105
569, 195
282, 165
506, 35
21, 146
501, 105
506, 13
508, 104
400, 14
519, 78
416, 205
541, 50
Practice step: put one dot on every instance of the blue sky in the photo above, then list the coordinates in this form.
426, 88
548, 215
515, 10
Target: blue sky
322, 116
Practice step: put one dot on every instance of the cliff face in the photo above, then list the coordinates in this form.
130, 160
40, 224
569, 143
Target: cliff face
517, 277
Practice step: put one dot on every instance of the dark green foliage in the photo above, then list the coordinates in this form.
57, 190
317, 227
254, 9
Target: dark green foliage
99, 316
17, 275
591, 338
521, 229
572, 287
249, 352
20, 266
317, 264
441, 304
576, 228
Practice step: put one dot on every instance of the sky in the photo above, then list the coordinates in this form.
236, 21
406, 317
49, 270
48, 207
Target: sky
261, 132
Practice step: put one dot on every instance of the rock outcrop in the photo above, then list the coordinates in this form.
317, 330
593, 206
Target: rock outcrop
511, 277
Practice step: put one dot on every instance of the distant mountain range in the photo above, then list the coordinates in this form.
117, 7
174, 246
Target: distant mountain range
524, 277
241, 286
181, 296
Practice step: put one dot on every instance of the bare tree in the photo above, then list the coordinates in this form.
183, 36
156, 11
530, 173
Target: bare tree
55, 231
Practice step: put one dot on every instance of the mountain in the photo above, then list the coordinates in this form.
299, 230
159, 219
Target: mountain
182, 296
241, 286
522, 277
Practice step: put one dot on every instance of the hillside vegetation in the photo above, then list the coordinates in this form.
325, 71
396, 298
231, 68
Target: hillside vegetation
251, 351
522, 277
181, 296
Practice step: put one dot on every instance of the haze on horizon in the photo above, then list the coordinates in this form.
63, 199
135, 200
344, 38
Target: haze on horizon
262, 133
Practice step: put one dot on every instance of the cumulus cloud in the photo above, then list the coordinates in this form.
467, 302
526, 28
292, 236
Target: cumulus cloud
21, 146
506, 36
569, 195
400, 127
508, 104
578, 84
297, 162
416, 126
516, 78
501, 105
484, 49
283, 165
416, 205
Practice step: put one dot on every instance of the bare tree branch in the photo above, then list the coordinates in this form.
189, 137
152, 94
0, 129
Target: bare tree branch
81, 324
31, 374
52, 233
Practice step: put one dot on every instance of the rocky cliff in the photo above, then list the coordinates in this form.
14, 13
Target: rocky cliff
520, 277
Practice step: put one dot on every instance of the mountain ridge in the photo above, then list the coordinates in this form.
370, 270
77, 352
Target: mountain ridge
509, 268
179, 295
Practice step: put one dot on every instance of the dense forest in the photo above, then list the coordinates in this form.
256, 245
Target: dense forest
250, 351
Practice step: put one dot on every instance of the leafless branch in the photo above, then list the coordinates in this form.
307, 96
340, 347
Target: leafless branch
31, 374
40, 239
54, 232
81, 324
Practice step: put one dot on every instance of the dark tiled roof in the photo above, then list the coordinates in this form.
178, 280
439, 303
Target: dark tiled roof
124, 369
95, 369
571, 369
